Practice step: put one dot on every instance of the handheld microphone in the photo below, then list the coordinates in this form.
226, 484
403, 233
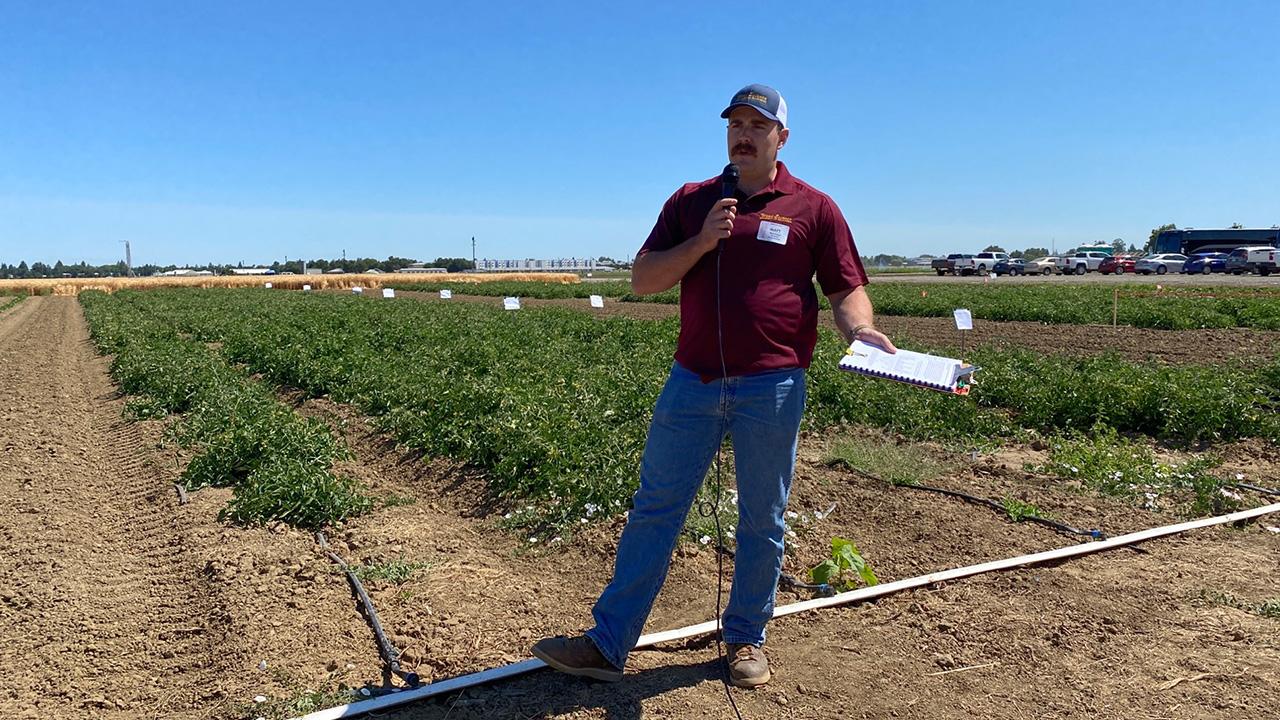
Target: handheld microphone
729, 180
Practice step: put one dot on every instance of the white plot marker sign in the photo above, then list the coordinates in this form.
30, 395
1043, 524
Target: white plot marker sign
306, 288
446, 294
964, 319
357, 291
597, 301
511, 303
266, 285
388, 293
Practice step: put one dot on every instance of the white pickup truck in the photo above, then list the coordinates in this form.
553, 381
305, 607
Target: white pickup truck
982, 263
1080, 263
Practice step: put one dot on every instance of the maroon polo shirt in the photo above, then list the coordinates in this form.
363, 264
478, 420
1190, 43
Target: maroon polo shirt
782, 236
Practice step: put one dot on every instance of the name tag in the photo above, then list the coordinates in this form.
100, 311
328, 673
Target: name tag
773, 232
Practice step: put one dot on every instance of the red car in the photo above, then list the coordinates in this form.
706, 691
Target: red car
1118, 264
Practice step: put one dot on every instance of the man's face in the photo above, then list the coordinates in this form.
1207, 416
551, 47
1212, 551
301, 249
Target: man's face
754, 140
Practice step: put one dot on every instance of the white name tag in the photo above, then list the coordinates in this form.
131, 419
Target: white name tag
773, 232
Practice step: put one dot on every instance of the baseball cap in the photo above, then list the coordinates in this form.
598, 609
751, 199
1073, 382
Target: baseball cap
764, 99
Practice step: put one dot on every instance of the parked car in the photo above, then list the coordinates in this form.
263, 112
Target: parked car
1160, 263
1042, 266
1009, 266
1080, 263
1260, 259
1205, 263
1118, 264
982, 263
946, 265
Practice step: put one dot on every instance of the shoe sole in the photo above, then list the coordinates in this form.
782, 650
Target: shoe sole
601, 674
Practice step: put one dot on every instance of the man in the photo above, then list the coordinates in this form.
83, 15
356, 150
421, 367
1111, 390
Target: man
748, 326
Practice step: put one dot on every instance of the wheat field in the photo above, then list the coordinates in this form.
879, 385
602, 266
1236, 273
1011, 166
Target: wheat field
74, 286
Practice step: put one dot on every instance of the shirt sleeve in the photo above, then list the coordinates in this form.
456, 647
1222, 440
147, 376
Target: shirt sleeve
667, 231
838, 263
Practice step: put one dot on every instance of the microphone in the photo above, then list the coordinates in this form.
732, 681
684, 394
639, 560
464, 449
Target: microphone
729, 180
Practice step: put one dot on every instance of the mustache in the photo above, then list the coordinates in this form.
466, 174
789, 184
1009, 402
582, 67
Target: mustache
745, 148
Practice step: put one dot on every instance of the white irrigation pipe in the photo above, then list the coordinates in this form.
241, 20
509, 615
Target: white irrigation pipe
487, 676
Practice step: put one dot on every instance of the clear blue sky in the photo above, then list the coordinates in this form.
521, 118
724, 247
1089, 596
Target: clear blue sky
250, 131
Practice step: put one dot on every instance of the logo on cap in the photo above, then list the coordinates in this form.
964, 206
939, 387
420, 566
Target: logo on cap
764, 99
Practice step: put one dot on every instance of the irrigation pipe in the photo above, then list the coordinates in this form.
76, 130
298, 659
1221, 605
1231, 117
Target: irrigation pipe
525, 666
388, 652
1256, 488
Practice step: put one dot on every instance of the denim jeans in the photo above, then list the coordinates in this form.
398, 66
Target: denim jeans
762, 413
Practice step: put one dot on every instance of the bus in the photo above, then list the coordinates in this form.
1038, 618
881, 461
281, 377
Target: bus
1224, 240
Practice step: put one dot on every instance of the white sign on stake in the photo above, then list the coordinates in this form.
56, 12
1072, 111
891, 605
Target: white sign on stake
446, 294
267, 285
964, 319
597, 301
357, 291
993, 276
511, 303
388, 293
306, 288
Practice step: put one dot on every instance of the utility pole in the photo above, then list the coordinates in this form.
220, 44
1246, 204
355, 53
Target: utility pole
128, 259
473, 252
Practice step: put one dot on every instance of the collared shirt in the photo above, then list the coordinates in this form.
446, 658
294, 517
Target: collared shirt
781, 236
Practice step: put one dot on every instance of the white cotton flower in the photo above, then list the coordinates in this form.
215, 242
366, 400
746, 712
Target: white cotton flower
704, 539
1239, 476
1075, 469
507, 516
1227, 493
792, 515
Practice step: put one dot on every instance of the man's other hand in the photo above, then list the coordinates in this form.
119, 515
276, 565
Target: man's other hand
873, 336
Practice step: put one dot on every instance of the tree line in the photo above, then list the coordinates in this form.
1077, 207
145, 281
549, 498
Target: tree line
23, 270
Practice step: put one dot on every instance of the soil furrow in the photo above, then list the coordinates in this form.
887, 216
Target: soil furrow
95, 573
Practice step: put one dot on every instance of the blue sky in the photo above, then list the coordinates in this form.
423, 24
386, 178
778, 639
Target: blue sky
251, 131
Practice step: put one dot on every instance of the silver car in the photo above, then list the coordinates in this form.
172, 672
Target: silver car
1040, 266
1160, 264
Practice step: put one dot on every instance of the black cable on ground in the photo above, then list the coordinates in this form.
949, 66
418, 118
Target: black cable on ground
1061, 527
1255, 488
388, 652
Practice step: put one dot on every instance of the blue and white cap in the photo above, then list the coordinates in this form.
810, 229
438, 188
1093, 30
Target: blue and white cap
764, 99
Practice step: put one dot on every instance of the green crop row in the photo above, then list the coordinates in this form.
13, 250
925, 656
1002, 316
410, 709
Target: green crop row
8, 302
1169, 309
278, 463
1136, 305
554, 404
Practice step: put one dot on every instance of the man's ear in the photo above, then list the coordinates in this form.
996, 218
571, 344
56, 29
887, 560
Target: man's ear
783, 134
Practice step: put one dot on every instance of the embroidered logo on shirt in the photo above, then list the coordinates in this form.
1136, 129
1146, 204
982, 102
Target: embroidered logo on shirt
776, 218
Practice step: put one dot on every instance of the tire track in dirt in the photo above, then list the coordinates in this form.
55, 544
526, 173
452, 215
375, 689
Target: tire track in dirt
105, 613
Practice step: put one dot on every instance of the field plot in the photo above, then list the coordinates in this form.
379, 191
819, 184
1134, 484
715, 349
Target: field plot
1129, 304
484, 461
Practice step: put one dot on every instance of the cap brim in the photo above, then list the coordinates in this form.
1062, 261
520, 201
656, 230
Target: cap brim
757, 108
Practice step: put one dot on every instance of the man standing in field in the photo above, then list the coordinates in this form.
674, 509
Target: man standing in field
748, 326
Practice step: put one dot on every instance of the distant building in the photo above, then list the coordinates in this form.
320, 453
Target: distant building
184, 272
533, 265
252, 271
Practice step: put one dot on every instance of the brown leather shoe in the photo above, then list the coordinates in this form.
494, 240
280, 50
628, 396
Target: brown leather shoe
576, 656
748, 666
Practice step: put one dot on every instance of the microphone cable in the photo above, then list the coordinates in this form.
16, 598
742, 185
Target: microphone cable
729, 182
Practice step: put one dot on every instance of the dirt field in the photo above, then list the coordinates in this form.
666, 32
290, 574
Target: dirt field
120, 603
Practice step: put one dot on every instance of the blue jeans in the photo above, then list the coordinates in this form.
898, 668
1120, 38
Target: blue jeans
762, 413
